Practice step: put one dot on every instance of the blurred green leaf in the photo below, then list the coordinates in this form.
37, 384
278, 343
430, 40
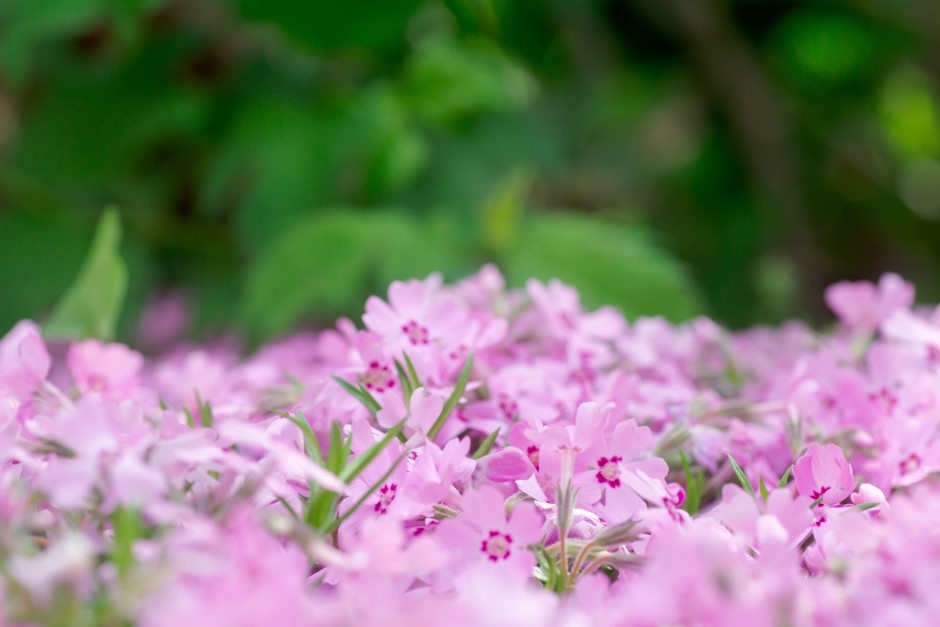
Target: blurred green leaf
329, 262
910, 113
28, 24
91, 306
448, 80
334, 24
820, 44
103, 124
502, 211
38, 256
609, 263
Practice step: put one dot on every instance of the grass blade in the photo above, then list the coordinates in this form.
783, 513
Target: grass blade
360, 394
362, 499
362, 461
742, 478
415, 381
406, 387
486, 445
451, 402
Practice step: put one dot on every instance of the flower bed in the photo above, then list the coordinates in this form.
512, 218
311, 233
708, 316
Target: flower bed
481, 456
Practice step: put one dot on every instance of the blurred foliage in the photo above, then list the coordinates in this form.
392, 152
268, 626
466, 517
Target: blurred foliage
283, 159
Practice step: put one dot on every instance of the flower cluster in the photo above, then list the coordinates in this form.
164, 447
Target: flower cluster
478, 455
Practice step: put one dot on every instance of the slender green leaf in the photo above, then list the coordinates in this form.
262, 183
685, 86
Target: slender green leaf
92, 304
867, 506
763, 489
785, 478
406, 387
451, 402
742, 478
287, 506
334, 456
693, 486
486, 445
312, 445
362, 499
128, 527
206, 417
415, 379
360, 394
361, 462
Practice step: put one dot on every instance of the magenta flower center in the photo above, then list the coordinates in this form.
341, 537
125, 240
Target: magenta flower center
885, 398
97, 383
417, 334
386, 496
533, 452
912, 463
508, 406
817, 494
496, 546
377, 377
608, 470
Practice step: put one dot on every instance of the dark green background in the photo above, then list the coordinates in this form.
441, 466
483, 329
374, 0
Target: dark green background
282, 159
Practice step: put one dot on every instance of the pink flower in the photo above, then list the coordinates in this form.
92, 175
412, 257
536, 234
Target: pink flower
508, 464
24, 360
569, 441
862, 306
423, 410
108, 369
482, 533
381, 549
416, 316
623, 452
824, 472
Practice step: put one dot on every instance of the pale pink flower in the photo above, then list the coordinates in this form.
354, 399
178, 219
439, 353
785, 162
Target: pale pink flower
107, 369
423, 410
417, 315
24, 360
823, 472
625, 451
862, 306
484, 533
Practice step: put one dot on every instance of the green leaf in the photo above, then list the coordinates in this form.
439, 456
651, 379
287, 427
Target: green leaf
334, 457
329, 25
867, 506
90, 307
813, 44
910, 114
785, 478
503, 209
206, 417
310, 440
362, 499
693, 486
449, 80
415, 379
742, 478
611, 264
128, 527
406, 387
763, 489
452, 400
486, 445
360, 394
362, 461
328, 262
